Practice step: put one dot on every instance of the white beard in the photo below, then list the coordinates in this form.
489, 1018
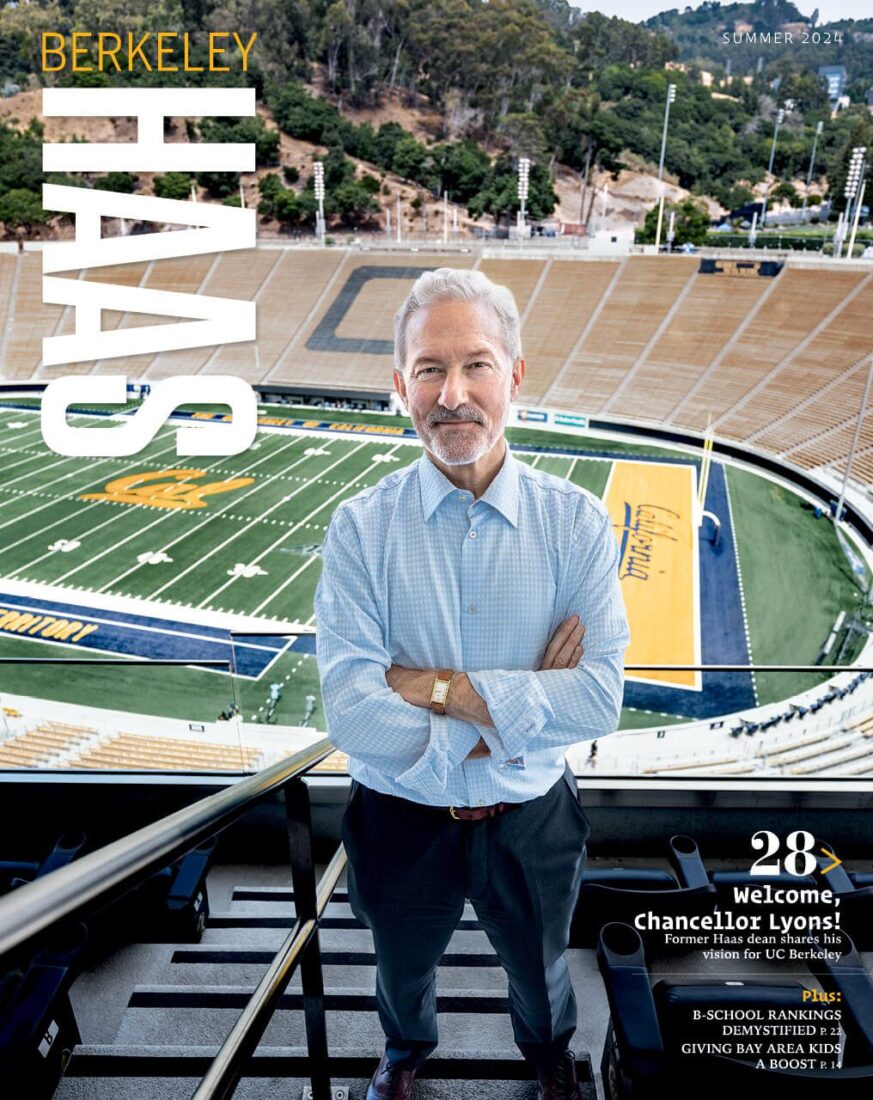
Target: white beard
466, 446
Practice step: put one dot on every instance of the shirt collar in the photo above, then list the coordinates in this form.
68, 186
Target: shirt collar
501, 494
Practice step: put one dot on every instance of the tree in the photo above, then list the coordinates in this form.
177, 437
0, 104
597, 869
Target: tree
786, 192
21, 157
21, 27
523, 136
303, 116
857, 130
410, 159
173, 185
500, 197
269, 187
691, 226
286, 32
352, 201
219, 184
462, 169
249, 130
125, 182
22, 208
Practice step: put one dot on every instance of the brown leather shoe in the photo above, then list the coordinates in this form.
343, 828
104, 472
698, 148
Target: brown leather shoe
562, 1083
390, 1083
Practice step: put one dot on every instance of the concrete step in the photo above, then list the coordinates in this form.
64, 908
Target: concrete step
204, 964
181, 1015
330, 939
136, 1072
283, 917
279, 901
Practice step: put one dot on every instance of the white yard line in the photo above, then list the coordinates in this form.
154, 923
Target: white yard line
727, 493
284, 584
287, 534
64, 519
256, 520
171, 512
133, 605
11, 415
50, 466
77, 469
569, 473
35, 456
606, 487
124, 513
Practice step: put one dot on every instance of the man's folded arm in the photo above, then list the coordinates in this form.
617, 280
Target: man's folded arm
556, 706
559, 706
365, 718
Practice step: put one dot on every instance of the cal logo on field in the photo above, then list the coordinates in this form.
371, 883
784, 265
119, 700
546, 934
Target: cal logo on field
652, 507
182, 491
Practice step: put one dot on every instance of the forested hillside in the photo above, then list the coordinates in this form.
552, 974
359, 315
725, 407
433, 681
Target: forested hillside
496, 81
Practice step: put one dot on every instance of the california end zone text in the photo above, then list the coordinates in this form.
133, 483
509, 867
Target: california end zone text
209, 228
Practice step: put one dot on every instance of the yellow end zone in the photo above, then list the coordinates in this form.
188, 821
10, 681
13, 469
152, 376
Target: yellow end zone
651, 505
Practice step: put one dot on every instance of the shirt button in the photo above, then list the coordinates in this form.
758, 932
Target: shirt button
472, 609
472, 534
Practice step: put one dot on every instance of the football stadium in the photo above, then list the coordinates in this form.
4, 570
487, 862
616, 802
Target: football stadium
715, 409
655, 358
201, 895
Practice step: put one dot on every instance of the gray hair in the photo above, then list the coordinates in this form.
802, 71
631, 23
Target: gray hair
458, 285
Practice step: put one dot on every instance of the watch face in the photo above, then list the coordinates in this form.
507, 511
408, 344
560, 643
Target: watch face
440, 691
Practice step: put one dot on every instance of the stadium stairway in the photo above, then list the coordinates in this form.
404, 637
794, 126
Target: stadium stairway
152, 1016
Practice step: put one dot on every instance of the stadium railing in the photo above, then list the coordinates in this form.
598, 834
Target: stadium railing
32, 911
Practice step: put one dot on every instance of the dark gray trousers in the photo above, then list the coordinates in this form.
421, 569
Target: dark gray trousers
410, 870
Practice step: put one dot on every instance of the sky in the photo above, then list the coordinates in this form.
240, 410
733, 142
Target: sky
638, 10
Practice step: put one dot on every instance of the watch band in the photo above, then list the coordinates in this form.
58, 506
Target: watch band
439, 695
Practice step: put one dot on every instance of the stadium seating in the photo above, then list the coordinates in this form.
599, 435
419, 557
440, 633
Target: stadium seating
40, 746
643, 1055
27, 321
132, 751
336, 762
780, 363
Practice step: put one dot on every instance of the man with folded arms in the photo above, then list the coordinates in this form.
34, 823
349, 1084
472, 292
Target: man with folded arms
450, 618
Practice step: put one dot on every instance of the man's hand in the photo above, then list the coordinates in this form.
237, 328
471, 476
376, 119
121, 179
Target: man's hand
565, 646
416, 684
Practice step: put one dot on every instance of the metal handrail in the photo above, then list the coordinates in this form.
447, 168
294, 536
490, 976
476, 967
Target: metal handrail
36, 906
155, 662
828, 669
222, 1075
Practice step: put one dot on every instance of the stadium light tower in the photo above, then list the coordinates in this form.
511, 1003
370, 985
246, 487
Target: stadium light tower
318, 172
671, 96
818, 131
523, 185
855, 180
780, 118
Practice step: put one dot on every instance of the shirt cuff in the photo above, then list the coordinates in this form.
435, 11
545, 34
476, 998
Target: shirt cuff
451, 740
518, 705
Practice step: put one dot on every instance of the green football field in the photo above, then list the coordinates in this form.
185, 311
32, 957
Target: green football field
242, 535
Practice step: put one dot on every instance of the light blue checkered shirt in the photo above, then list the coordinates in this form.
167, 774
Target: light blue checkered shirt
418, 573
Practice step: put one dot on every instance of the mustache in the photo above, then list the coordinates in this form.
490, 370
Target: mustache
450, 416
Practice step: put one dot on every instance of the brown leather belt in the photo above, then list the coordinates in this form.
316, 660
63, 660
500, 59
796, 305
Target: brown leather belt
457, 813
478, 813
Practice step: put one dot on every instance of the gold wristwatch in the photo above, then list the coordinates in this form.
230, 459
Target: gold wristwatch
439, 695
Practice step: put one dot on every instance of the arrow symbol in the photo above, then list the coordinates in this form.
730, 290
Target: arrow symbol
836, 862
